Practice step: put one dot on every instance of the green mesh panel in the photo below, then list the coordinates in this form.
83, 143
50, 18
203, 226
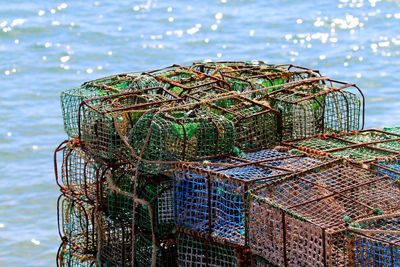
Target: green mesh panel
182, 134
165, 251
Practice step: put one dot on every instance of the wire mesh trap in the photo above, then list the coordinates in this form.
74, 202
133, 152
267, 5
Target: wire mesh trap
115, 241
199, 250
357, 146
395, 129
76, 224
77, 174
212, 198
376, 241
256, 124
181, 134
317, 106
111, 118
182, 80
302, 219
67, 257
165, 251
158, 193
72, 99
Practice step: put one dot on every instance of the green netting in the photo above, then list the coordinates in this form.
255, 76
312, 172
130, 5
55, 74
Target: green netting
181, 134
310, 108
104, 123
159, 195
182, 80
203, 251
361, 147
165, 252
395, 130
117, 193
115, 242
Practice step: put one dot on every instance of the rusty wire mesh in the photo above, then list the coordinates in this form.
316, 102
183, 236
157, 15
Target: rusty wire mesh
199, 250
104, 122
182, 80
67, 257
301, 219
181, 134
115, 241
115, 196
376, 241
158, 193
76, 172
317, 106
357, 146
76, 225
256, 124
212, 199
165, 251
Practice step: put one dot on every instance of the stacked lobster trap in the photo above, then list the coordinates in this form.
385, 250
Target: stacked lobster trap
224, 164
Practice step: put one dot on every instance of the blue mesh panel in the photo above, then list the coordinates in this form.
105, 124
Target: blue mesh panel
264, 155
191, 200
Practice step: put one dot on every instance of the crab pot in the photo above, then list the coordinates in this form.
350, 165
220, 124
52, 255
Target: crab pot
302, 219
262, 77
77, 173
357, 146
376, 242
256, 124
158, 192
181, 134
67, 257
115, 242
317, 106
165, 251
212, 199
181, 80
104, 122
76, 225
203, 250
215, 67
116, 191
71, 99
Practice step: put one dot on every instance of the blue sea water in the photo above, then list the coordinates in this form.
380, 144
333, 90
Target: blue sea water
49, 46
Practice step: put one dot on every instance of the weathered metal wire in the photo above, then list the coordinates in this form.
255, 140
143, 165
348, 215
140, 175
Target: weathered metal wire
302, 218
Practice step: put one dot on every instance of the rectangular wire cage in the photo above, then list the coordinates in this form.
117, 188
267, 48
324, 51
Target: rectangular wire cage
316, 106
77, 173
357, 146
266, 77
180, 133
256, 124
158, 193
376, 241
165, 251
68, 257
182, 80
116, 192
76, 225
106, 120
211, 198
197, 250
115, 241
302, 219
